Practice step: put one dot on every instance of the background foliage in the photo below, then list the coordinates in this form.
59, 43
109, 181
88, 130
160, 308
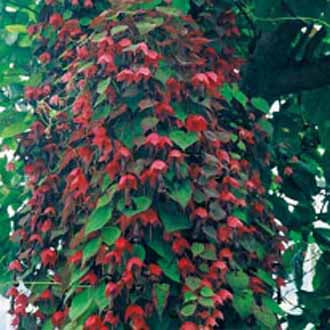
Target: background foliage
286, 44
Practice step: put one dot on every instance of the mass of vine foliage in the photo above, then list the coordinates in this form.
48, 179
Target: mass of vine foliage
148, 170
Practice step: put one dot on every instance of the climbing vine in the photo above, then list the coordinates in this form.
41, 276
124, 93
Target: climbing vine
148, 172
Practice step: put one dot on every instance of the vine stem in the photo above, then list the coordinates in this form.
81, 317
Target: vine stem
288, 18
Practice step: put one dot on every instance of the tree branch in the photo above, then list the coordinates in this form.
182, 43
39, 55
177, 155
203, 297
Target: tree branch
300, 77
272, 72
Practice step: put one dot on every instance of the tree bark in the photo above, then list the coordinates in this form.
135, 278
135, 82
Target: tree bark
271, 72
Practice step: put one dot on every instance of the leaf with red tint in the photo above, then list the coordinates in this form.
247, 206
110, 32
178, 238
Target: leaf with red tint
77, 183
112, 169
76, 257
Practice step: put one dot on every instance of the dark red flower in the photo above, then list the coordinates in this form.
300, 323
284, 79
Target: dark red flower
288, 171
58, 318
111, 318
94, 322
123, 245
77, 182
200, 212
46, 295
189, 326
158, 167
15, 266
89, 278
234, 222
45, 58
186, 266
112, 289
164, 110
155, 270
133, 311
149, 217
48, 257
12, 292
134, 263
56, 20
158, 141
127, 181
179, 245
196, 123
126, 75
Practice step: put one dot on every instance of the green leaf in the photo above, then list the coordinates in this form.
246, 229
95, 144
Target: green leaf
238, 280
266, 277
322, 237
139, 204
77, 275
110, 235
265, 317
193, 282
207, 292
181, 192
99, 296
147, 26
16, 28
170, 269
188, 310
240, 96
80, 304
13, 123
260, 104
189, 296
209, 254
266, 126
98, 219
172, 218
243, 302
272, 305
48, 325
103, 85
162, 248
149, 5
118, 29
85, 21
227, 93
206, 302
139, 251
197, 249
183, 139
162, 291
91, 248
183, 5
164, 72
